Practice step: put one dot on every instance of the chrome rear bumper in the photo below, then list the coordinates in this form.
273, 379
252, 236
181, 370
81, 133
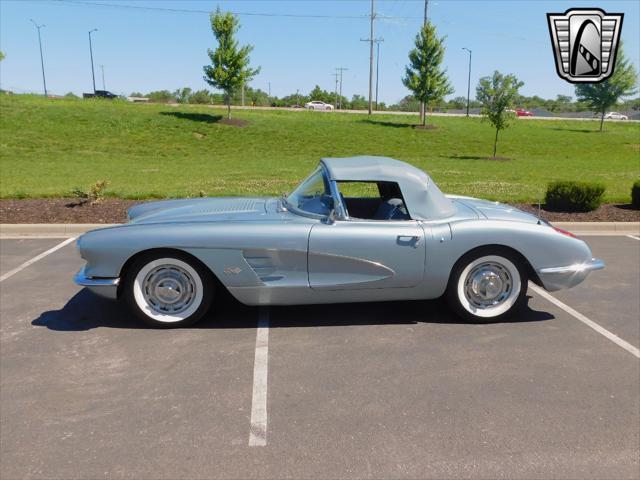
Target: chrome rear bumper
105, 287
558, 278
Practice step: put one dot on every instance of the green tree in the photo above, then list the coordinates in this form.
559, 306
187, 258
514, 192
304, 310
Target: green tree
1, 55
496, 94
182, 95
229, 68
322, 95
602, 96
161, 96
458, 103
358, 102
200, 96
424, 75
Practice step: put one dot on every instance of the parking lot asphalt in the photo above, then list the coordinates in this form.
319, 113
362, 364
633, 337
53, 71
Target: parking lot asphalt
387, 390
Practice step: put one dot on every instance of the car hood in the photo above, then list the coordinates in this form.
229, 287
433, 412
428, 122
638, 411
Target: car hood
204, 210
494, 210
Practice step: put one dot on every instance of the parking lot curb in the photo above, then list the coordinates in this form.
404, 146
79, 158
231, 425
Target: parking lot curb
600, 227
8, 230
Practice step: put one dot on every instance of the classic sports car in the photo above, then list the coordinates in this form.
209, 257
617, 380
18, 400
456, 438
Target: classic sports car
356, 230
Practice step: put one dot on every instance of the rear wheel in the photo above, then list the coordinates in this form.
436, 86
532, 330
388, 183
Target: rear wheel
487, 285
168, 290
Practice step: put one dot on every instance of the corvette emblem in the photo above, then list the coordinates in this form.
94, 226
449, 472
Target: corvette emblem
585, 42
232, 270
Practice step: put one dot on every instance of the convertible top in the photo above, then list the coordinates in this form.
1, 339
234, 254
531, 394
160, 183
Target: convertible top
423, 198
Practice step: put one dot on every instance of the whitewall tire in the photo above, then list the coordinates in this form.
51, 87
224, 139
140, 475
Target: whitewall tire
487, 285
168, 290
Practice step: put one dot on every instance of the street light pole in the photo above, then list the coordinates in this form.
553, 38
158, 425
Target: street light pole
104, 86
93, 74
44, 80
469, 80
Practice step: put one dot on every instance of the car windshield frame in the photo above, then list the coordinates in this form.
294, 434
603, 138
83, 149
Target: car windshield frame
291, 203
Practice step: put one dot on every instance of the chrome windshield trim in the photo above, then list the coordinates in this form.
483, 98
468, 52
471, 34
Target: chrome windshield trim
593, 264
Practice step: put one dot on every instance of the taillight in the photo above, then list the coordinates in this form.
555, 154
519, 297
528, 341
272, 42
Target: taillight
564, 232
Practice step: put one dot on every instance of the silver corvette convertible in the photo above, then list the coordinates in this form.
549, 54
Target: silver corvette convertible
356, 230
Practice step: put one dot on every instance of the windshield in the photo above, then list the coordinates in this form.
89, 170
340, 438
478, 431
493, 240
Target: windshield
312, 195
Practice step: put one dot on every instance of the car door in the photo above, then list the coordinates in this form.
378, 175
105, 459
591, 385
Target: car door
356, 254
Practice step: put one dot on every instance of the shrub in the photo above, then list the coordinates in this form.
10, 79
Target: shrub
635, 195
574, 196
95, 194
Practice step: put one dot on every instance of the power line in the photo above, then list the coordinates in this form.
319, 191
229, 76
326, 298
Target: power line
207, 12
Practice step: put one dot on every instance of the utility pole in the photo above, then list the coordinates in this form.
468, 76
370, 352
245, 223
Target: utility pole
423, 107
378, 41
335, 103
104, 87
469, 80
243, 94
93, 74
269, 90
44, 80
371, 39
340, 69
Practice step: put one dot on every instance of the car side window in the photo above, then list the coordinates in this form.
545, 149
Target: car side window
373, 200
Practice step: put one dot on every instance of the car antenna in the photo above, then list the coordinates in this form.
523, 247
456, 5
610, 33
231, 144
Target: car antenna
539, 222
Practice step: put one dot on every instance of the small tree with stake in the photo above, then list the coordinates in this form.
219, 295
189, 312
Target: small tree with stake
424, 75
496, 94
229, 68
602, 96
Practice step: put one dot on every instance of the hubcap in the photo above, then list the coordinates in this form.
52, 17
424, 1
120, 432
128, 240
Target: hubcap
488, 285
168, 289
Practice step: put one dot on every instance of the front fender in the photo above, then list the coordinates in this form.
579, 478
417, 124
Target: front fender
231, 250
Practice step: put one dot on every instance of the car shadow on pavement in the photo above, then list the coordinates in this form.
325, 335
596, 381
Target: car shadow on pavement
86, 311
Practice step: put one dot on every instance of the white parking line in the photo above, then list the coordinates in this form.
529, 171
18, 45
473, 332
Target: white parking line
602, 331
30, 237
11, 273
258, 432
633, 236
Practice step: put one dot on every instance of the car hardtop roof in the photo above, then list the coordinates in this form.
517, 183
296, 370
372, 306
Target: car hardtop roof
422, 197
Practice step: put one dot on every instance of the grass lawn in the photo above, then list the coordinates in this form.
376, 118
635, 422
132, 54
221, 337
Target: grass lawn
48, 147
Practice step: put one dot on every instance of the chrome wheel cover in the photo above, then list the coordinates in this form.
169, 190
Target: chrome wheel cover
169, 289
488, 285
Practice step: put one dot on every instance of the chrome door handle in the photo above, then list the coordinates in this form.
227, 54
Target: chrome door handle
413, 240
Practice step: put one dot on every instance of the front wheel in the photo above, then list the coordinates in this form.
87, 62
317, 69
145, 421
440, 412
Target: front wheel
168, 290
487, 285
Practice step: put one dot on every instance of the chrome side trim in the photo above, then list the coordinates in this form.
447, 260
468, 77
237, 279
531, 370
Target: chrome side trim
593, 264
105, 287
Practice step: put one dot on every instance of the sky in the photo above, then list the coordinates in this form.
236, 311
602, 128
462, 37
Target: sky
162, 44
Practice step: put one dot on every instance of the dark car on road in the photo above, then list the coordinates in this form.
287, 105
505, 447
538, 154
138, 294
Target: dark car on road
100, 94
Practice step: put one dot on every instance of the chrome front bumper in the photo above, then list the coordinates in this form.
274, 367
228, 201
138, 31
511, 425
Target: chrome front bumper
105, 287
558, 278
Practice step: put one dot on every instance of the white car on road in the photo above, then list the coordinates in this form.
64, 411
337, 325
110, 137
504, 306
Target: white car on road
318, 105
615, 116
